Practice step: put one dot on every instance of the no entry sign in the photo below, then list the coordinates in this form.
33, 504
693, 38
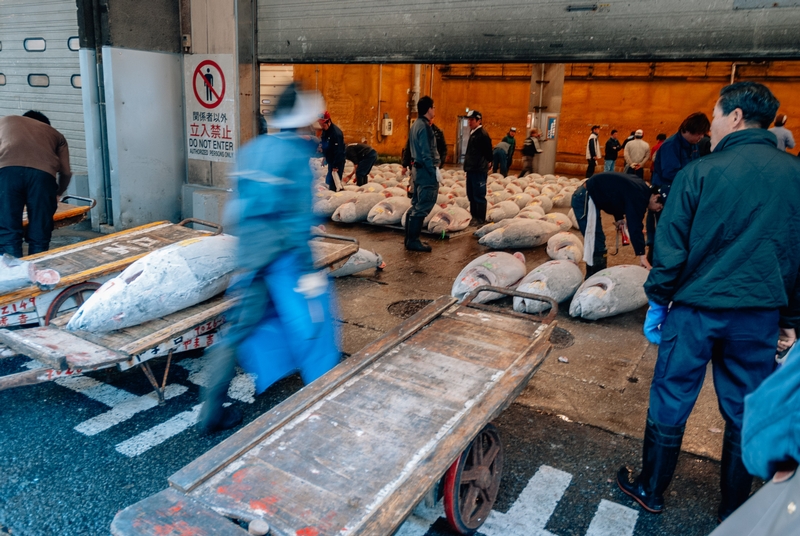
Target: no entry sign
210, 107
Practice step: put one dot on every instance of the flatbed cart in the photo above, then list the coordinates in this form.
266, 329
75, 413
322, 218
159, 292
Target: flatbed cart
355, 451
63, 353
85, 266
66, 213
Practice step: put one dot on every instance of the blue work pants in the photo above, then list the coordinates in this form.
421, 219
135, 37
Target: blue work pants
739, 343
22, 187
580, 205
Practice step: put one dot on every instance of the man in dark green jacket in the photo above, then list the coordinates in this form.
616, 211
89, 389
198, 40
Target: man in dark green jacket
727, 262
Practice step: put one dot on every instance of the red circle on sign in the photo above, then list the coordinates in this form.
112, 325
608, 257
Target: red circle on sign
219, 96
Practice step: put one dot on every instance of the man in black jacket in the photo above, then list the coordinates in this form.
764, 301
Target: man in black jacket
613, 148
332, 144
530, 148
624, 196
364, 157
724, 288
476, 165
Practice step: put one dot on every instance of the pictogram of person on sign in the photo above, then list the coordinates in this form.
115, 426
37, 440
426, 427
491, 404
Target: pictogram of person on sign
209, 84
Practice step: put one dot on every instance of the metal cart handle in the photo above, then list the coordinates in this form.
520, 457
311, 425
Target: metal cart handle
333, 236
217, 227
467, 302
89, 200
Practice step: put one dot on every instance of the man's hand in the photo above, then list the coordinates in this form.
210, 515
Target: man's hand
786, 338
656, 315
619, 224
643, 262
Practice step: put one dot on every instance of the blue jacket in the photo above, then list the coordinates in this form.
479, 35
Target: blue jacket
771, 430
673, 155
271, 209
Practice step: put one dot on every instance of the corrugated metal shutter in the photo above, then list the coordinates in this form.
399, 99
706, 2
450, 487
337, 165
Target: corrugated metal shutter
56, 22
530, 31
274, 79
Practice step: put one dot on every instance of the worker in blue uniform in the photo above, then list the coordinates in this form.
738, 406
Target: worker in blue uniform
724, 288
283, 322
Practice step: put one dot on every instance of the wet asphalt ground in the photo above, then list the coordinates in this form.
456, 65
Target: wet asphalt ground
56, 479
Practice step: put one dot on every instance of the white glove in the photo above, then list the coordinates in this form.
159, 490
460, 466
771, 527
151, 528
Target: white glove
312, 285
439, 175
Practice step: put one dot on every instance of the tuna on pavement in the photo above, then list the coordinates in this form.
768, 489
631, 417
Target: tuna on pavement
554, 279
610, 292
565, 246
497, 268
389, 211
519, 233
162, 282
361, 260
449, 219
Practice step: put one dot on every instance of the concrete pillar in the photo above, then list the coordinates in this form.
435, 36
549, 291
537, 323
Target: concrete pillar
547, 88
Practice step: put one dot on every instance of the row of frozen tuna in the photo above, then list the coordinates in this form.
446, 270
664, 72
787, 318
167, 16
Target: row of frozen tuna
610, 292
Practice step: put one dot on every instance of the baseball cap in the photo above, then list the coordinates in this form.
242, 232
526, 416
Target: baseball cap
639, 133
513, 129
325, 116
474, 114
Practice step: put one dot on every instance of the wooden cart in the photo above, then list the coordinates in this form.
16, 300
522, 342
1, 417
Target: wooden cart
63, 353
67, 213
85, 266
355, 451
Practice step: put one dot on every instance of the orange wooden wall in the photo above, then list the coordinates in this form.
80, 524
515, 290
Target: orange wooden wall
624, 96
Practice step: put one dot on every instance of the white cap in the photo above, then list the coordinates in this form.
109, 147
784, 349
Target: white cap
308, 105
639, 133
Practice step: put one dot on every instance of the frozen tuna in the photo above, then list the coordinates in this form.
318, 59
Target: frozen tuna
562, 220
555, 279
16, 274
361, 260
389, 211
565, 247
371, 187
502, 211
449, 219
610, 292
520, 233
160, 283
545, 202
573, 219
496, 268
431, 214
395, 191
324, 207
563, 199
357, 209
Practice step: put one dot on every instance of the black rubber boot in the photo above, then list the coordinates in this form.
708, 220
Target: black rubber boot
600, 263
662, 445
735, 482
413, 230
213, 415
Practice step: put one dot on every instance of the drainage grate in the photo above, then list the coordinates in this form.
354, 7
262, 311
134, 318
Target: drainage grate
407, 308
561, 338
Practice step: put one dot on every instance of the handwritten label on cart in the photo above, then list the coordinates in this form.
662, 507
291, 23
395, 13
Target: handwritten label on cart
199, 337
19, 313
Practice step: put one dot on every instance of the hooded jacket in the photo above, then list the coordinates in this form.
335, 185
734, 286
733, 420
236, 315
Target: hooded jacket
727, 237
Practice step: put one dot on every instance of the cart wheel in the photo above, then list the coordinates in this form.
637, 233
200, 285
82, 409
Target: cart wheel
77, 293
472, 482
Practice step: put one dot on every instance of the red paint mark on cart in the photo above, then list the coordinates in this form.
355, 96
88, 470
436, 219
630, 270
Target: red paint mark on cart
265, 504
307, 531
175, 509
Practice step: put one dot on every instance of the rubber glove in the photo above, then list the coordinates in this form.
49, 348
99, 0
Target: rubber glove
652, 322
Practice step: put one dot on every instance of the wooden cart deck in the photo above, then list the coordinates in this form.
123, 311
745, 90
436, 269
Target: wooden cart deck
356, 450
65, 353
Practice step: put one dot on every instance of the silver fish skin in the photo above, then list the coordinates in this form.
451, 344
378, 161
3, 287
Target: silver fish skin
520, 233
554, 279
561, 220
544, 201
450, 219
565, 246
431, 214
361, 260
389, 211
497, 268
610, 292
357, 209
15, 274
160, 283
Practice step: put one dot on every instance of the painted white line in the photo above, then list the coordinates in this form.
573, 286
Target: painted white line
125, 410
243, 388
534, 506
99, 391
158, 434
613, 519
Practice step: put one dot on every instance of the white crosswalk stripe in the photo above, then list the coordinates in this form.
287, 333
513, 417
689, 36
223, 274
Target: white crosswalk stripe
613, 519
158, 434
125, 410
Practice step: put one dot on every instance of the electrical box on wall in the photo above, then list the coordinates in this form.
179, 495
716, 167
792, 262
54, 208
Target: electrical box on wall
386, 127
